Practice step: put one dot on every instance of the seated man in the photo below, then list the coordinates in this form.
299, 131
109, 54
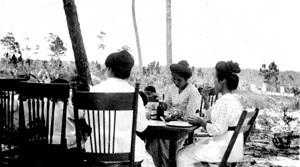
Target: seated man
144, 97
151, 94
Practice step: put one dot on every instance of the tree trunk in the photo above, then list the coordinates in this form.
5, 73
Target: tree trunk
137, 42
81, 61
169, 33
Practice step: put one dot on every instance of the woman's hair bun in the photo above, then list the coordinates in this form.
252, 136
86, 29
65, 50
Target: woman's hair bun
233, 67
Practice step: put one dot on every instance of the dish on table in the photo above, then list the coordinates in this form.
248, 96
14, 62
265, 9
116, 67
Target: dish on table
179, 124
156, 123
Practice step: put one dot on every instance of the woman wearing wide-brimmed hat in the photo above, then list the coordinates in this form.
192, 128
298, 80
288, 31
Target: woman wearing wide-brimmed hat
183, 98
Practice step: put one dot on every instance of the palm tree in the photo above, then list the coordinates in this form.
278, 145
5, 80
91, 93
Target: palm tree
137, 42
101, 45
169, 33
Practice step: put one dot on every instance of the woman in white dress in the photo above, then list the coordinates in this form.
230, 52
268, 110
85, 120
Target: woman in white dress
225, 113
183, 97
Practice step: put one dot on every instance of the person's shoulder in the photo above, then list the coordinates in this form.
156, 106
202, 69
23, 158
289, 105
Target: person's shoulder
94, 88
230, 96
173, 87
100, 86
191, 86
229, 99
113, 85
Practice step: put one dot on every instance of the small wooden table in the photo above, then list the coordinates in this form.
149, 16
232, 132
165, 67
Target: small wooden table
158, 130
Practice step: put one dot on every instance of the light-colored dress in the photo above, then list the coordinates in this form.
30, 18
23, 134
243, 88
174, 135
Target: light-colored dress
225, 113
188, 101
124, 120
70, 123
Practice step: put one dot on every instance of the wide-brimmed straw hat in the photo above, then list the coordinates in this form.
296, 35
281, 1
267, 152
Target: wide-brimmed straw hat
182, 68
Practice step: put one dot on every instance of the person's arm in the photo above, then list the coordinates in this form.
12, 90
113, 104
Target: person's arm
197, 121
218, 125
168, 101
142, 121
205, 100
220, 118
207, 114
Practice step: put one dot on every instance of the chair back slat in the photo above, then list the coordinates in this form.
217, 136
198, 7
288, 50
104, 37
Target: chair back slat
40, 116
251, 122
9, 131
212, 98
244, 126
102, 111
114, 130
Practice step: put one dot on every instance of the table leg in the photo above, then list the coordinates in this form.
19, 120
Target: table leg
172, 152
191, 138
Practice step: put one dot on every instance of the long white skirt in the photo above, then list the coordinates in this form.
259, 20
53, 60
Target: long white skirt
205, 150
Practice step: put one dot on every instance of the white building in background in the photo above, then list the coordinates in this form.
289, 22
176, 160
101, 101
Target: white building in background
264, 88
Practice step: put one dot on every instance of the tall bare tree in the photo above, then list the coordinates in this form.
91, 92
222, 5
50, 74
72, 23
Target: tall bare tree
101, 45
81, 61
169, 33
137, 42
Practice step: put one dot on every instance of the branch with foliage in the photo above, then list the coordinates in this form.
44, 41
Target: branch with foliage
11, 45
270, 74
56, 46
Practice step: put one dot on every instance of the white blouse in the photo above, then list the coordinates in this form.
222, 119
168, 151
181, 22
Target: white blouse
225, 113
124, 120
188, 101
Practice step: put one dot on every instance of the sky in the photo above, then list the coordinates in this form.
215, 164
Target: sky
250, 32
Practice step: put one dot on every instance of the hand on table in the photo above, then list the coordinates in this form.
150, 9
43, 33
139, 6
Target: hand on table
197, 121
